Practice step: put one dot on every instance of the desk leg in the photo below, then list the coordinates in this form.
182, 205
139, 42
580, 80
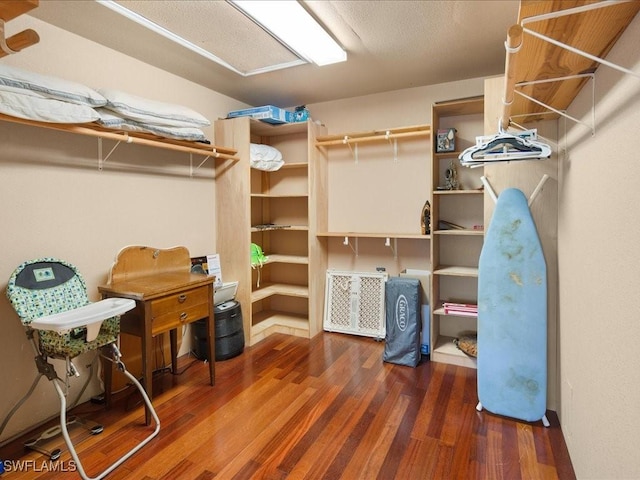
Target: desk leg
211, 337
147, 361
173, 340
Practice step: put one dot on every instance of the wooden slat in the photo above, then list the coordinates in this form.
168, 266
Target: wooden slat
595, 32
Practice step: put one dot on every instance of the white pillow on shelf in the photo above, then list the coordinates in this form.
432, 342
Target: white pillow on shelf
109, 119
265, 157
152, 111
33, 106
50, 87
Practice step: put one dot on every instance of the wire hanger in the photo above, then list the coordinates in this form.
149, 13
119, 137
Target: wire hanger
505, 147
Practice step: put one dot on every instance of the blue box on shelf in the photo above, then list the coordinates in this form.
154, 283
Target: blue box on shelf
266, 113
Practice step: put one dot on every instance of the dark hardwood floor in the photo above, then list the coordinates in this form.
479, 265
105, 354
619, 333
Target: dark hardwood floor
328, 408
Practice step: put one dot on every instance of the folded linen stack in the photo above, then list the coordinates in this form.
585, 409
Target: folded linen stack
43, 98
124, 111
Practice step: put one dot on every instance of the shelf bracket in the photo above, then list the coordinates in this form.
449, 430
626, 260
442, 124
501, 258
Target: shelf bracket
103, 159
347, 242
394, 144
592, 127
394, 247
193, 170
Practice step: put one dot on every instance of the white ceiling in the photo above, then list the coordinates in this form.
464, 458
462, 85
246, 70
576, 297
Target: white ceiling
390, 45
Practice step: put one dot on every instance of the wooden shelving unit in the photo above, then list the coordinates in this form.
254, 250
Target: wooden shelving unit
455, 252
286, 294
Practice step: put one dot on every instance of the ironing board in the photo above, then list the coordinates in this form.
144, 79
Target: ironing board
512, 314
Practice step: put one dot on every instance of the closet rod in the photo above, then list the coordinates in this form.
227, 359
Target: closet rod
16, 42
512, 46
346, 139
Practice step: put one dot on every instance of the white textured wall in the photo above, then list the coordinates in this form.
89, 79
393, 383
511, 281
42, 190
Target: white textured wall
599, 261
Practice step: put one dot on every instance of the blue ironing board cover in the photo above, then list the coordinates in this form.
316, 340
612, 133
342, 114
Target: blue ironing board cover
512, 313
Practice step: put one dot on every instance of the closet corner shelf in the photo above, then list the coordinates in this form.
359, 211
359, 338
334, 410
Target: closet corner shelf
440, 311
270, 289
447, 352
456, 271
277, 195
462, 232
469, 191
373, 136
94, 130
290, 259
264, 129
276, 228
286, 166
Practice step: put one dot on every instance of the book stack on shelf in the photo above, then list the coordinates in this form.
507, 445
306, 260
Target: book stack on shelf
463, 309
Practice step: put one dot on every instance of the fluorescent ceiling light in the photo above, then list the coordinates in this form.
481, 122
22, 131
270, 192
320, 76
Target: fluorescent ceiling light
154, 27
292, 25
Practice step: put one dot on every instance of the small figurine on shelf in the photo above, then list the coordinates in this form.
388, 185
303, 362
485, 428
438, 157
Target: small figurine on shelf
425, 219
451, 177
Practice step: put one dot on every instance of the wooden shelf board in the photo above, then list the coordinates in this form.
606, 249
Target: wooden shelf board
286, 166
464, 232
475, 191
265, 129
445, 351
270, 289
94, 130
595, 31
270, 195
298, 228
293, 259
456, 271
440, 311
462, 106
268, 322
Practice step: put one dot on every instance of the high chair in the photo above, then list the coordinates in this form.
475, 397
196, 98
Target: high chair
50, 297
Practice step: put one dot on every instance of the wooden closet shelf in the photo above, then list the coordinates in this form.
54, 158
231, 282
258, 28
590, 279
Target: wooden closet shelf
533, 58
95, 130
373, 136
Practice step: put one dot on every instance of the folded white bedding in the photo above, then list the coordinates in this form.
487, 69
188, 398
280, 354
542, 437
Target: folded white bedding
265, 157
151, 111
110, 119
31, 105
50, 87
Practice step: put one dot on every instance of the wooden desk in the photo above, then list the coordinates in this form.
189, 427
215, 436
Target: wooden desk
168, 296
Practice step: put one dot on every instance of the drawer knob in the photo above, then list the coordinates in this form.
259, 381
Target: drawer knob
182, 298
184, 316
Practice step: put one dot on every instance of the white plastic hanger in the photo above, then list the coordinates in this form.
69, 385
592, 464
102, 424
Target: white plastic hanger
505, 147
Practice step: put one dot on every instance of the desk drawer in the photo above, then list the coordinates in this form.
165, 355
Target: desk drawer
176, 310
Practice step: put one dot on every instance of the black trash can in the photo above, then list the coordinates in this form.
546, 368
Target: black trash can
229, 332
